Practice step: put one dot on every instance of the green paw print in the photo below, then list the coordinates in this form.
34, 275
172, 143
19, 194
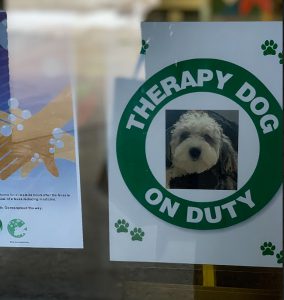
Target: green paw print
144, 47
137, 234
121, 226
280, 56
267, 248
279, 257
269, 47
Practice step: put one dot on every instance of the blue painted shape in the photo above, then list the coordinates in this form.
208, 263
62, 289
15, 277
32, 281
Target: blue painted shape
3, 35
4, 64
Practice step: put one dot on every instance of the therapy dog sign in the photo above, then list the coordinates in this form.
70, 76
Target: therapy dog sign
165, 86
197, 159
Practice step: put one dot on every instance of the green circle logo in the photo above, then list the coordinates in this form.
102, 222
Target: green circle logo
197, 76
17, 228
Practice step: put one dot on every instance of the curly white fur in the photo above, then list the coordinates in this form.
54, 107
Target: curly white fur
196, 145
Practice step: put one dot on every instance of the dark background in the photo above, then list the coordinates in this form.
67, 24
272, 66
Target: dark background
88, 274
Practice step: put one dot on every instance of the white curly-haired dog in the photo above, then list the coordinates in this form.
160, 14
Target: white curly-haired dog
202, 156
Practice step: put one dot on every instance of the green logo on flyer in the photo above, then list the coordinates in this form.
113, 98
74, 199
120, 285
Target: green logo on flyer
17, 228
201, 76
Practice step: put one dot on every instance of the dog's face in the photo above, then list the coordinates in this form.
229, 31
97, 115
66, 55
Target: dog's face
195, 142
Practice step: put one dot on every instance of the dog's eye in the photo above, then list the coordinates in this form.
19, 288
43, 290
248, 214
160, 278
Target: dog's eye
184, 135
208, 139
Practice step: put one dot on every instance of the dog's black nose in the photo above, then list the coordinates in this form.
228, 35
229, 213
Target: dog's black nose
194, 153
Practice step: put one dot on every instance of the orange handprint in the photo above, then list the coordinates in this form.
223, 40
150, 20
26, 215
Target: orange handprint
31, 138
67, 153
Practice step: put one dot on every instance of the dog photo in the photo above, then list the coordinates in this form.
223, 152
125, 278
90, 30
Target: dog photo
202, 149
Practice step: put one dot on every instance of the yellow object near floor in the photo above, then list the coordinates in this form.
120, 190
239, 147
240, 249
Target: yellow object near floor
208, 275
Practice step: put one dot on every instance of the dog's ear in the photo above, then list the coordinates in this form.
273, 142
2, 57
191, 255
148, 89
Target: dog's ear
168, 147
228, 158
230, 128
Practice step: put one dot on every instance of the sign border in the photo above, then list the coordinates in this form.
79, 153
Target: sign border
132, 160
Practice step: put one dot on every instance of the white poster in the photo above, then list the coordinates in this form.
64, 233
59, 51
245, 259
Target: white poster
40, 201
195, 157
